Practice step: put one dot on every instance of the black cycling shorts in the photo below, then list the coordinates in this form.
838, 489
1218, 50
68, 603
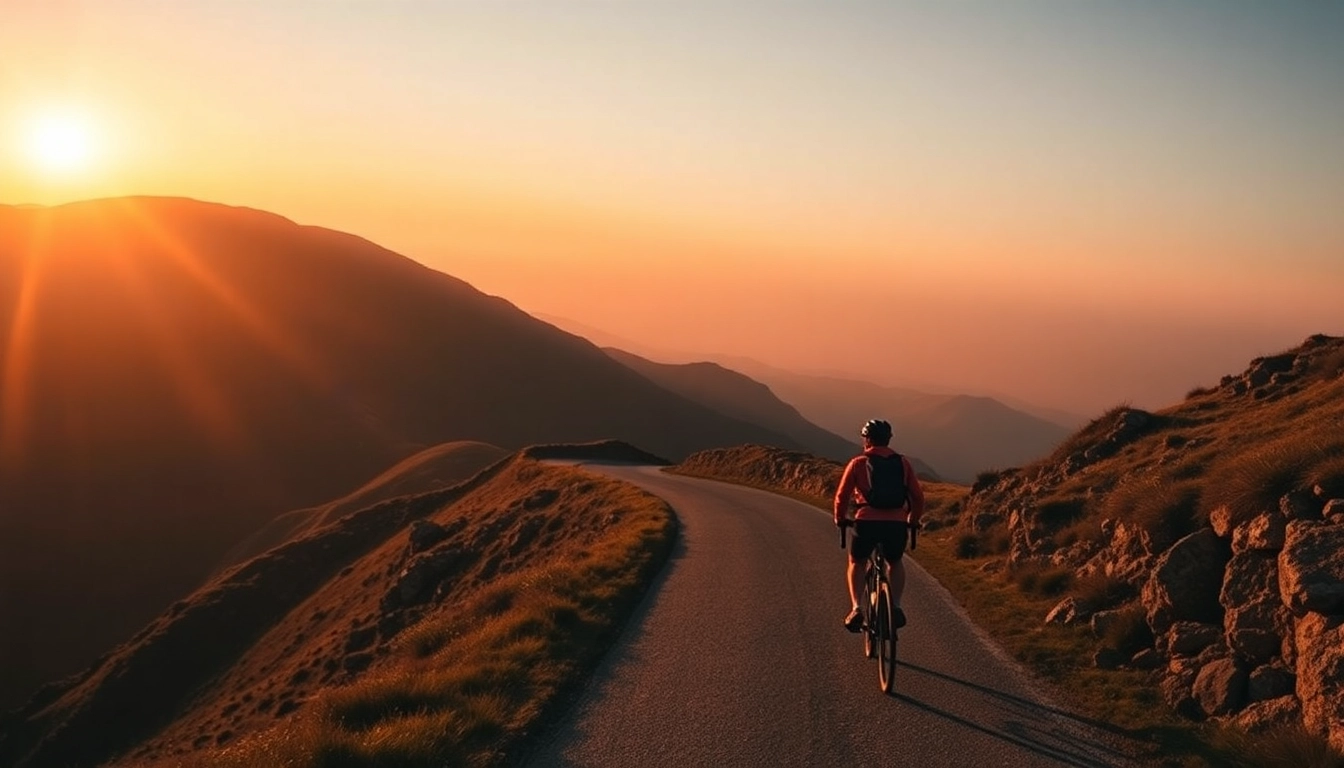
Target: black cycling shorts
891, 534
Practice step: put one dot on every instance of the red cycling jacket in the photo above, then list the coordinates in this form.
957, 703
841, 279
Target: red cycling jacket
856, 481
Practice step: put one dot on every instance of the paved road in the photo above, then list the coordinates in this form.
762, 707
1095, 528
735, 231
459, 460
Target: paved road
738, 658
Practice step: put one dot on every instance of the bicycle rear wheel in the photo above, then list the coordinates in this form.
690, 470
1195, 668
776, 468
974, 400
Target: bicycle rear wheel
886, 641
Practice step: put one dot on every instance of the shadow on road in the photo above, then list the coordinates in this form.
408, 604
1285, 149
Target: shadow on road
1044, 730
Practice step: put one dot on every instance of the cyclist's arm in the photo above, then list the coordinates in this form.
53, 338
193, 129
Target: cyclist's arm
916, 493
844, 493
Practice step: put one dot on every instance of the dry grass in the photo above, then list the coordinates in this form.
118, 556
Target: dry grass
463, 685
1253, 481
1100, 592
1276, 748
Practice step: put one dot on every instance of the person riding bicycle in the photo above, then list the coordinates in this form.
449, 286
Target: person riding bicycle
888, 526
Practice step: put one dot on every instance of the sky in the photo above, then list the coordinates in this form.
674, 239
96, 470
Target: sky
1076, 203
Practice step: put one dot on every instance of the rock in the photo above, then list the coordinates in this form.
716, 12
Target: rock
1264, 532
1270, 681
1262, 716
1067, 611
1221, 520
1177, 692
425, 534
1320, 675
1263, 368
1220, 687
1255, 620
1334, 510
1311, 568
1185, 582
1190, 638
422, 576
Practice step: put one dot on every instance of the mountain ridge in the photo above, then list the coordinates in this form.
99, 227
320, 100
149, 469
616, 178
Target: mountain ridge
178, 372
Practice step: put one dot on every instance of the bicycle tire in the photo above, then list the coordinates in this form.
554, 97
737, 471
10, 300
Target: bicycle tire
886, 641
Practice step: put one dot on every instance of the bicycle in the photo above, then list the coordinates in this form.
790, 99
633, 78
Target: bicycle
880, 638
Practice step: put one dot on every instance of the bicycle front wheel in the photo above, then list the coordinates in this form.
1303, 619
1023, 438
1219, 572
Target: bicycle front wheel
886, 640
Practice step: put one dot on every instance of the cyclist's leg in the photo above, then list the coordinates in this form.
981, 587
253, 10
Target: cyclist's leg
894, 537
860, 546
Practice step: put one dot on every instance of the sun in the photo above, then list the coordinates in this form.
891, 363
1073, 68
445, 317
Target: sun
59, 143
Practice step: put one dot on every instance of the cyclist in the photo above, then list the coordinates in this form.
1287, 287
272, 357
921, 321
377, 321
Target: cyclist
888, 526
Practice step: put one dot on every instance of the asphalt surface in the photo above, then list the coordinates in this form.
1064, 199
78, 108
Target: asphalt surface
737, 657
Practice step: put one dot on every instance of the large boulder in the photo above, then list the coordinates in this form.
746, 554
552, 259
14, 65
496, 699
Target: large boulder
1264, 532
1190, 638
1270, 714
1254, 618
1185, 582
1311, 568
1220, 687
1320, 675
1270, 682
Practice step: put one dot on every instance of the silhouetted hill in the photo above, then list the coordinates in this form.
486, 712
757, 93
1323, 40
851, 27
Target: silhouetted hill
958, 435
736, 395
177, 373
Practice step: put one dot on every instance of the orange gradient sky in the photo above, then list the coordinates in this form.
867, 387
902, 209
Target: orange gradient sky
1074, 203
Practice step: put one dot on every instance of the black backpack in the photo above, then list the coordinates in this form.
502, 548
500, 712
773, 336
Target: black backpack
887, 474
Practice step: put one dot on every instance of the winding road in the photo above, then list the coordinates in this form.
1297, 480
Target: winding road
737, 657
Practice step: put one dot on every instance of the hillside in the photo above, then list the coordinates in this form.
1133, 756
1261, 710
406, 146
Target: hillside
445, 623
740, 397
958, 435
429, 470
1205, 540
178, 373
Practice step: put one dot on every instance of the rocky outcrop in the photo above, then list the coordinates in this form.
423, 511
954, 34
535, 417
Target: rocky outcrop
1246, 611
1320, 674
1311, 567
1185, 582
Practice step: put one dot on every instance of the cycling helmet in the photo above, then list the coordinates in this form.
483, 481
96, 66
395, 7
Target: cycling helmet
876, 429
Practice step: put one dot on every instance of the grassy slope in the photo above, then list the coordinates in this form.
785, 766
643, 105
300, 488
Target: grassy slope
304, 657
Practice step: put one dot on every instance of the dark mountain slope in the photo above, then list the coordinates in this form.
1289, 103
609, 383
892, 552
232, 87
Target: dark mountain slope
736, 395
176, 373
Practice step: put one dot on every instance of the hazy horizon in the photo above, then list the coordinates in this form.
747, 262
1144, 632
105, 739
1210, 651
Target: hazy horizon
1073, 204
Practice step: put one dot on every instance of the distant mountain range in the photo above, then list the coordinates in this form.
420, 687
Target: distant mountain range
958, 435
178, 373
734, 394
954, 436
